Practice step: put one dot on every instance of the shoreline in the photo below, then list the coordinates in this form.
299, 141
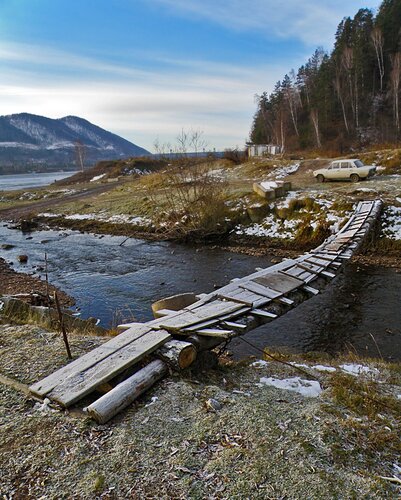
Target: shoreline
227, 242
15, 283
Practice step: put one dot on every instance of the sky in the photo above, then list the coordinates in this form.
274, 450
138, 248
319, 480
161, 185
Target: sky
146, 69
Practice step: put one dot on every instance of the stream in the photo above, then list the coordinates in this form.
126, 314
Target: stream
360, 311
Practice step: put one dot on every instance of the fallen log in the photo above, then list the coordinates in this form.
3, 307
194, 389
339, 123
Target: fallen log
177, 353
106, 407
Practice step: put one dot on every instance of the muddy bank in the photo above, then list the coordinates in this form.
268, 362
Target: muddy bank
368, 257
15, 283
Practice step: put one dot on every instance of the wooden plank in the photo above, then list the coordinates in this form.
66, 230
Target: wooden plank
264, 314
125, 326
261, 290
312, 268
311, 290
202, 313
301, 274
214, 321
82, 383
234, 299
89, 359
328, 274
286, 300
215, 332
280, 282
233, 324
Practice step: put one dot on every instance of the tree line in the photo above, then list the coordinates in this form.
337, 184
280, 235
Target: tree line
349, 98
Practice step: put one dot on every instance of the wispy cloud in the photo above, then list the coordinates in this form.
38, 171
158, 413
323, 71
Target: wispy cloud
136, 103
310, 21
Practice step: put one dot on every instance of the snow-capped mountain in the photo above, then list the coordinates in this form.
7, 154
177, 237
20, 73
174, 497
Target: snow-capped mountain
29, 140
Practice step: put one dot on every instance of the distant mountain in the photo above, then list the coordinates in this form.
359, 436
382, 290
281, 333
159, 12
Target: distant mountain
30, 141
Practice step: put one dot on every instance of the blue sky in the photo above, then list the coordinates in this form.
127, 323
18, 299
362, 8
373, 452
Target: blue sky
144, 69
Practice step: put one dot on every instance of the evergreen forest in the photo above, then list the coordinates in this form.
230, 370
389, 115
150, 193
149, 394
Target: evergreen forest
344, 100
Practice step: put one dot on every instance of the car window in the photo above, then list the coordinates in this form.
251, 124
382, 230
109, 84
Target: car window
345, 164
359, 163
334, 165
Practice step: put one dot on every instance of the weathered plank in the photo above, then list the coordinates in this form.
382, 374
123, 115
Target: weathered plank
280, 282
216, 320
83, 382
89, 359
261, 290
264, 314
300, 274
234, 325
286, 300
313, 291
202, 313
215, 332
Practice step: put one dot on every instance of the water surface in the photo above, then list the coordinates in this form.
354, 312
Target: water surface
359, 311
26, 181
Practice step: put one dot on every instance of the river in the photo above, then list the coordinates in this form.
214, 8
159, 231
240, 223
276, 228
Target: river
26, 181
359, 311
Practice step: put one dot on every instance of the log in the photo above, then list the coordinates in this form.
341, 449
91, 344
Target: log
177, 353
106, 407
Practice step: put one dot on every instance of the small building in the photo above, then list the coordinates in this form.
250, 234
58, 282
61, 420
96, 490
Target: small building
263, 149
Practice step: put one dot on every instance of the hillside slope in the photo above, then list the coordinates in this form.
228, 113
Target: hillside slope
28, 140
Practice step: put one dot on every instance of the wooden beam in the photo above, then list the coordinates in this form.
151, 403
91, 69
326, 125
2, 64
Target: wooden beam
177, 353
106, 407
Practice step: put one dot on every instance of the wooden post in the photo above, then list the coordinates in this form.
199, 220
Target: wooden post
106, 407
47, 281
62, 326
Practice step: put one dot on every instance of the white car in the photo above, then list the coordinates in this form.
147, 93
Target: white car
345, 170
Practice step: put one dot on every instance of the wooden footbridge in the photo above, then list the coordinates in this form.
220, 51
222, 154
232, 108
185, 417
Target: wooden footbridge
175, 337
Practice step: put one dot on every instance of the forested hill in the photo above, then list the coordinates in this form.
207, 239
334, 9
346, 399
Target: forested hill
347, 98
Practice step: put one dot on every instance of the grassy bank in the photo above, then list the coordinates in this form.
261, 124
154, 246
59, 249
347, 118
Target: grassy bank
262, 442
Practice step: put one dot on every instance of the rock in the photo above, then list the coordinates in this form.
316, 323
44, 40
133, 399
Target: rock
213, 405
7, 246
23, 259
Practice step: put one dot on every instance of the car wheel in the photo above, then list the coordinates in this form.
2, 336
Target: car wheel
354, 178
320, 178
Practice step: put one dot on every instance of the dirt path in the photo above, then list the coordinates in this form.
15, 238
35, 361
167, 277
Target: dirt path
18, 212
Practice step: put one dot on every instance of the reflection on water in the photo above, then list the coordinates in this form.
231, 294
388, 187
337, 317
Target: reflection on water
117, 283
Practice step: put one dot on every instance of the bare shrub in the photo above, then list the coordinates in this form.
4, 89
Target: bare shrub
235, 156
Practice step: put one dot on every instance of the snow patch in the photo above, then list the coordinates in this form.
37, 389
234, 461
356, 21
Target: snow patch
322, 368
259, 363
308, 388
355, 369
391, 222
102, 217
97, 177
269, 184
281, 172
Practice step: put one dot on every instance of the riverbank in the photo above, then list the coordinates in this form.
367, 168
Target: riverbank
331, 430
21, 284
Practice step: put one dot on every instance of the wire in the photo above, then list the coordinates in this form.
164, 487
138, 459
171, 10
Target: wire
277, 359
